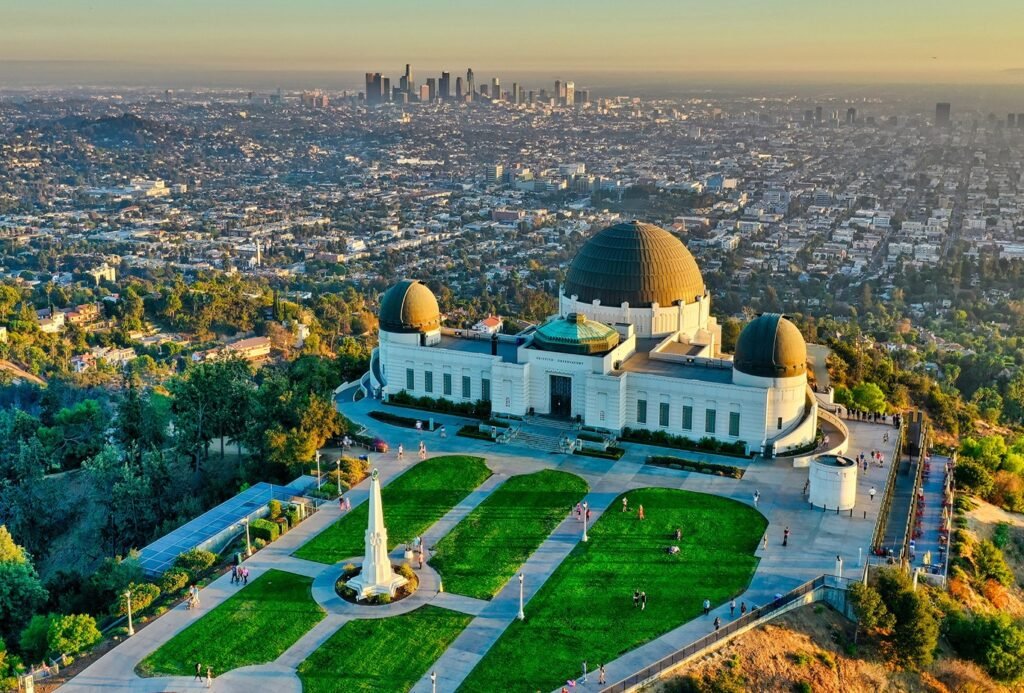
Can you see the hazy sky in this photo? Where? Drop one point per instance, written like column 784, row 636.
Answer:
column 885, row 39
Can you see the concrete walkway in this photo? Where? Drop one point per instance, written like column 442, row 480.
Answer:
column 815, row 541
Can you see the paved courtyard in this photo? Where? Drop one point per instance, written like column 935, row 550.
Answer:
column 817, row 538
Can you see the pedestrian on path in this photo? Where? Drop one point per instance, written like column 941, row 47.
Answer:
column 579, row 511
column 421, row 557
column 732, row 608
column 584, row 671
column 785, row 537
column 743, row 608
column 199, row 672
column 764, row 541
column 679, row 534
column 625, row 504
column 600, row 674
column 718, row 622
column 872, row 493
column 234, row 574
column 587, row 515
column 757, row 497
column 245, row 581
column 401, row 451
column 636, row 598
column 640, row 512
column 423, row 450
column 643, row 601
column 209, row 676
column 707, row 607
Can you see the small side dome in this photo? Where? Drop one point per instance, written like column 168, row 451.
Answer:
column 770, row 346
column 409, row 307
column 574, row 334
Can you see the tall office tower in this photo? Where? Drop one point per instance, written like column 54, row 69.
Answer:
column 1020, row 120
column 385, row 89
column 425, row 92
column 942, row 111
column 403, row 83
column 851, row 116
column 495, row 89
column 1011, row 120
column 483, row 90
column 559, row 91
column 570, row 93
column 458, row 89
column 818, row 114
column 521, row 98
column 410, row 83
column 494, row 173
column 444, row 86
column 532, row 97
column 808, row 116
column 471, row 84
column 431, row 88
column 513, row 95
column 374, row 88
column 583, row 97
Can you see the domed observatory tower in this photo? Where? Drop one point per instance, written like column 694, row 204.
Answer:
column 771, row 354
column 409, row 315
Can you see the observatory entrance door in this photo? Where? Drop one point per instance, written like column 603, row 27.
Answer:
column 561, row 396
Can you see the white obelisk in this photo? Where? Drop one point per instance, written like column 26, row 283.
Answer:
column 376, row 576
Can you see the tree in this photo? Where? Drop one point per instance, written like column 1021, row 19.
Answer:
column 9, row 551
column 989, row 403
column 870, row 610
column 869, row 397
column 21, row 593
column 34, row 641
column 972, row 476
column 73, row 633
column 916, row 633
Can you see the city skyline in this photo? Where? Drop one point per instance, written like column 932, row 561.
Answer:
column 868, row 41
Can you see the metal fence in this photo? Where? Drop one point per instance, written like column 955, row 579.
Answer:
column 887, row 493
column 742, row 623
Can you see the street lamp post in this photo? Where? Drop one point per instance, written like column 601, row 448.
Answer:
column 338, row 480
column 248, row 546
column 585, row 507
column 521, row 615
column 839, row 566
column 433, row 682
column 317, row 470
column 131, row 628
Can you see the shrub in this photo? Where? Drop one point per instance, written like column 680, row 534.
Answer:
column 381, row 599
column 34, row 637
column 174, row 580
column 993, row 641
column 800, row 658
column 406, row 571
column 143, row 595
column 1001, row 535
column 991, row 564
column 642, row 435
column 275, row 509
column 73, row 633
column 258, row 544
column 826, row 658
column 802, row 687
column 264, row 529
column 350, row 569
column 692, row 466
column 996, row 593
column 973, row 477
column 479, row 409
column 1007, row 491
column 196, row 561
column 292, row 516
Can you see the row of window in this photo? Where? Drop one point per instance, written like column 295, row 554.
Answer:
column 710, row 417
column 446, row 384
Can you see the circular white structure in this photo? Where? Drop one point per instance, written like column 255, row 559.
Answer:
column 833, row 482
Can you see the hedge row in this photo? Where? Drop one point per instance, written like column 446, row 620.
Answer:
column 694, row 466
column 706, row 444
column 439, row 405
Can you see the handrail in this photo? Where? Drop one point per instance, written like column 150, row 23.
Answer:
column 742, row 623
column 890, row 482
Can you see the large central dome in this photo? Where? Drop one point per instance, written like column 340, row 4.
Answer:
column 634, row 263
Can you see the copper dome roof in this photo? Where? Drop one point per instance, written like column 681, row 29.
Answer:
column 409, row 306
column 770, row 346
column 634, row 263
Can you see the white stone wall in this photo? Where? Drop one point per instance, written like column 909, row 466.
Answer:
column 656, row 321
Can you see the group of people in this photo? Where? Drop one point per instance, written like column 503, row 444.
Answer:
column 199, row 674
column 239, row 576
column 583, row 679
column 639, row 510
column 732, row 611
column 583, row 511
column 877, row 457
column 639, row 599
column 192, row 600
column 423, row 451
column 344, row 503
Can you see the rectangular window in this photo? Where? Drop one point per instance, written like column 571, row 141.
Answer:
column 687, row 417
column 446, row 383
column 410, row 379
column 641, row 411
column 780, row 423
column 709, row 420
column 428, row 381
column 734, row 423
column 663, row 414
column 485, row 389
column 467, row 387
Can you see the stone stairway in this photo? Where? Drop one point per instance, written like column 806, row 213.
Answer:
column 552, row 423
column 536, row 441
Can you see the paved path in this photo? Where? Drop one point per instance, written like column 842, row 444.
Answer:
column 816, row 539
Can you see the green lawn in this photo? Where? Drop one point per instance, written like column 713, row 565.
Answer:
column 585, row 609
column 486, row 549
column 412, row 503
column 253, row 626
column 388, row 654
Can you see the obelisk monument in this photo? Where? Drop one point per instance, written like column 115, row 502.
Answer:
column 376, row 575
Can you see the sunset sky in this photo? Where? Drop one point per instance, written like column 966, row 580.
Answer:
column 891, row 39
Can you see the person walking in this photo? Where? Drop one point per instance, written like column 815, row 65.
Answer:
column 707, row 607
column 209, row 676
column 679, row 534
column 643, row 601
column 584, row 671
column 234, row 574
column 757, row 497
column 872, row 493
column 743, row 608
column 245, row 581
column 579, row 511
column 636, row 598
column 785, row 537
column 732, row 608
column 600, row 674
column 625, row 504
column 640, row 512
column 764, row 541
column 401, row 451
column 718, row 622
column 199, row 672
